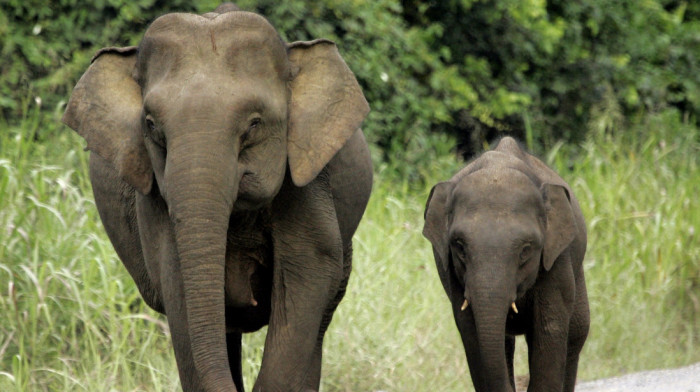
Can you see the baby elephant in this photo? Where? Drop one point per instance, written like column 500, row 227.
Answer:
column 509, row 239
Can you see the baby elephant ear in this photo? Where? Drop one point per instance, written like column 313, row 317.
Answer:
column 327, row 107
column 105, row 109
column 435, row 228
column 561, row 224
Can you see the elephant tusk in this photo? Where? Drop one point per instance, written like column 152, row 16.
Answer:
column 515, row 308
column 464, row 305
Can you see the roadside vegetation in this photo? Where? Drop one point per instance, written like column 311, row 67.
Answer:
column 73, row 319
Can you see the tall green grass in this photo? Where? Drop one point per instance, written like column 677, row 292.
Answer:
column 71, row 318
column 639, row 192
column 65, row 302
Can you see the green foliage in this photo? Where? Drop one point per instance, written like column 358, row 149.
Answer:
column 432, row 71
column 553, row 65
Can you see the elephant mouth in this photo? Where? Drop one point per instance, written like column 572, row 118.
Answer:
column 465, row 304
column 248, row 271
column 251, row 195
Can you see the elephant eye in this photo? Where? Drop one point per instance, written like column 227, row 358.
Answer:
column 525, row 253
column 460, row 247
column 254, row 123
column 152, row 133
column 150, row 124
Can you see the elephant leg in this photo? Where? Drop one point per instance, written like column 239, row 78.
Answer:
column 294, row 339
column 233, row 347
column 307, row 275
column 571, row 370
column 578, row 332
column 313, row 381
column 294, row 335
column 547, row 350
column 115, row 202
column 548, row 339
column 510, row 352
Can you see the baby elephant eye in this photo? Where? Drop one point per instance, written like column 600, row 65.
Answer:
column 460, row 248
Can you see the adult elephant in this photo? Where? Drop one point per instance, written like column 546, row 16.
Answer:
column 230, row 174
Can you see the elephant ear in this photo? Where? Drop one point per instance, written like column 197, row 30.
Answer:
column 105, row 109
column 561, row 224
column 327, row 107
column 435, row 228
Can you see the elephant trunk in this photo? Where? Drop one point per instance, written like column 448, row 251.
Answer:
column 201, row 193
column 490, row 308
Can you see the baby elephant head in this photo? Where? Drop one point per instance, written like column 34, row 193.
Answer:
column 493, row 230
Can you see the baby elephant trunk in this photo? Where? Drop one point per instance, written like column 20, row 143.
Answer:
column 490, row 306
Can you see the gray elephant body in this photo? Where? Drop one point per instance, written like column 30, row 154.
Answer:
column 230, row 174
column 509, row 241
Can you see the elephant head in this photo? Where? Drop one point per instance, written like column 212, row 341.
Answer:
column 210, row 113
column 495, row 227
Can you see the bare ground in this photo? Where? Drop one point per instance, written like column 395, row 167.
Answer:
column 686, row 379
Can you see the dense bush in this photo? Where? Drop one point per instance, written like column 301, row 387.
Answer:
column 552, row 69
column 47, row 44
column 543, row 70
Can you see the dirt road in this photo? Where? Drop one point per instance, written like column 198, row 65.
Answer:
column 685, row 379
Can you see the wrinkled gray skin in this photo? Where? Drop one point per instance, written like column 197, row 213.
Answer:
column 230, row 174
column 506, row 229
